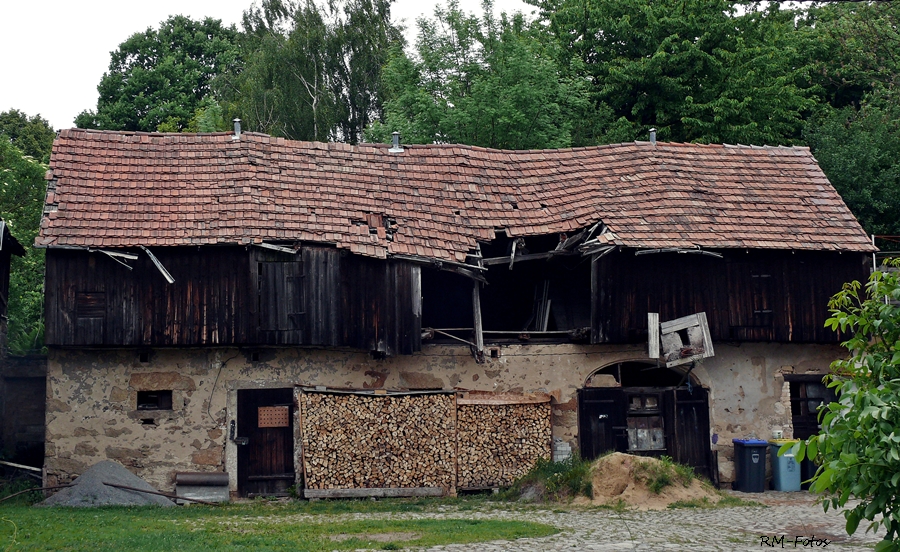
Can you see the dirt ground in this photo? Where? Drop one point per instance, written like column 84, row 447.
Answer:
column 619, row 477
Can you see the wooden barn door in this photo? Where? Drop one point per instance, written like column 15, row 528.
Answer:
column 601, row 421
column 266, row 461
column 605, row 417
column 691, row 422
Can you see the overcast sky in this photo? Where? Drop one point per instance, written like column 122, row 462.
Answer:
column 53, row 53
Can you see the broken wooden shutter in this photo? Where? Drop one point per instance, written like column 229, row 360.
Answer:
column 280, row 296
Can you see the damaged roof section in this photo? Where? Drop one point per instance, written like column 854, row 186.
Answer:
column 113, row 189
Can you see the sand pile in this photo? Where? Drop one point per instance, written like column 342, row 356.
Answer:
column 625, row 477
column 89, row 490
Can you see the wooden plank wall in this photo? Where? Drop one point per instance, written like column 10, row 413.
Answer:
column 735, row 292
column 232, row 295
column 208, row 304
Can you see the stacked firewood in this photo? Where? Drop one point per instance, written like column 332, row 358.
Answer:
column 498, row 443
column 373, row 441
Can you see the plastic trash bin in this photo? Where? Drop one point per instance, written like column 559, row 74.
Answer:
column 785, row 469
column 750, row 465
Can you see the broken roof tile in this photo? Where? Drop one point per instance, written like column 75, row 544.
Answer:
column 169, row 189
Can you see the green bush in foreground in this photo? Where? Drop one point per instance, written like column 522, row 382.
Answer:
column 555, row 481
column 858, row 449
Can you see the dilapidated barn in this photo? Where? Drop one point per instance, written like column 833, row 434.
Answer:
column 204, row 291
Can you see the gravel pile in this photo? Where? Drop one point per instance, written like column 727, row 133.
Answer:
column 89, row 490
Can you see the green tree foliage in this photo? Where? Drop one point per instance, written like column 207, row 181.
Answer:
column 855, row 133
column 22, row 190
column 158, row 79
column 312, row 72
column 858, row 448
column 854, row 49
column 698, row 70
column 483, row 82
column 31, row 135
column 859, row 150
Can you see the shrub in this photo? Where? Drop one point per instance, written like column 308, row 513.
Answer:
column 555, row 480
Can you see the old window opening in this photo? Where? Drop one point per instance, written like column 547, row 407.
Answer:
column 280, row 295
column 447, row 306
column 90, row 304
column 753, row 288
column 154, row 400
column 645, row 427
column 808, row 394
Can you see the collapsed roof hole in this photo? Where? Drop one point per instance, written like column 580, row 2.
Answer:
column 537, row 295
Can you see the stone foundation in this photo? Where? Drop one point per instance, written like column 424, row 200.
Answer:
column 92, row 411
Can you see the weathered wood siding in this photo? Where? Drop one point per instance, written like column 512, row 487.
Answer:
column 233, row 296
column 756, row 296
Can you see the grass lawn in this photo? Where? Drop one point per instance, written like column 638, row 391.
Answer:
column 295, row 526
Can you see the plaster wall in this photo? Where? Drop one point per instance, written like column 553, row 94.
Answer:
column 92, row 416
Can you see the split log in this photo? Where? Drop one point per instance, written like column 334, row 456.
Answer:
column 498, row 443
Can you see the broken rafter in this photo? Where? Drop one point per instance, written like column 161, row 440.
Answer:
column 159, row 265
column 438, row 262
column 451, row 336
column 527, row 257
column 114, row 254
column 565, row 244
column 599, row 252
column 696, row 251
column 278, row 248
column 463, row 269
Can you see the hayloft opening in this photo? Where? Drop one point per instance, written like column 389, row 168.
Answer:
column 535, row 289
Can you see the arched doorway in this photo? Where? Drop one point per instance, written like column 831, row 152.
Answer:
column 644, row 408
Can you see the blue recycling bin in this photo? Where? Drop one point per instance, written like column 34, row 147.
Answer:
column 750, row 465
column 785, row 469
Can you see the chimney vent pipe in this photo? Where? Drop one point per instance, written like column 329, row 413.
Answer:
column 237, row 130
column 653, row 136
column 395, row 143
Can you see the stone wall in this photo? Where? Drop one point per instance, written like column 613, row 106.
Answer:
column 92, row 414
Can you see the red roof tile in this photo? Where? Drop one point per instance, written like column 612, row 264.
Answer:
column 172, row 189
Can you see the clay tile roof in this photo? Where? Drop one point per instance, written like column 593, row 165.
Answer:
column 116, row 189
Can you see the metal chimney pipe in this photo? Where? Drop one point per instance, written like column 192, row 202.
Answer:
column 237, row 130
column 395, row 143
column 653, row 136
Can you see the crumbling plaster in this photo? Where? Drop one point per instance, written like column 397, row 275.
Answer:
column 92, row 416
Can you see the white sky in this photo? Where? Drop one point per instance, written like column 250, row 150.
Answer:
column 54, row 52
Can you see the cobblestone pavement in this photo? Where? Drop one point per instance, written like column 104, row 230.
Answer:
column 788, row 515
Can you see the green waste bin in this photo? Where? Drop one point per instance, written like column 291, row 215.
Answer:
column 785, row 469
column 750, row 465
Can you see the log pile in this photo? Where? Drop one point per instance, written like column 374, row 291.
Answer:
column 498, row 443
column 376, row 441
